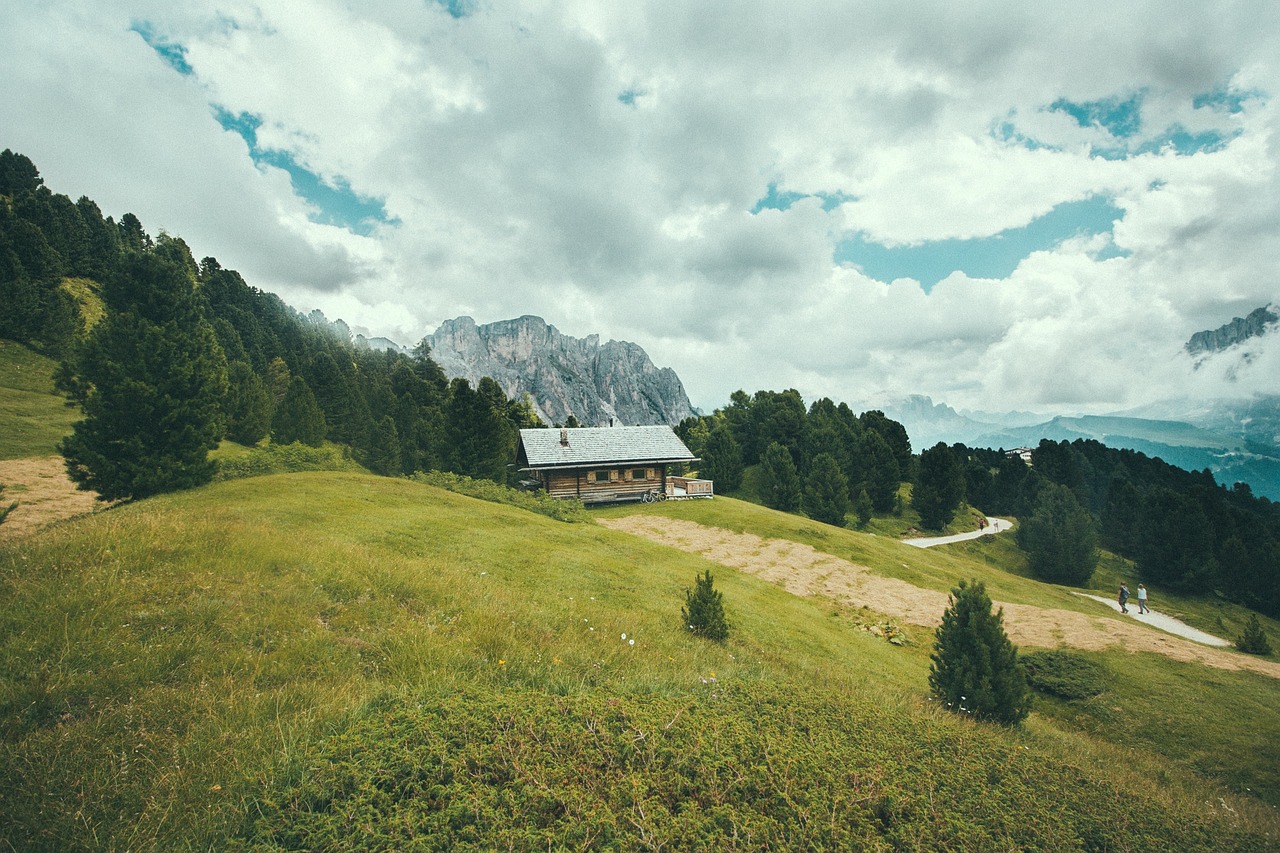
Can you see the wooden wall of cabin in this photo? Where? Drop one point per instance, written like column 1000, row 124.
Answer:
column 591, row 485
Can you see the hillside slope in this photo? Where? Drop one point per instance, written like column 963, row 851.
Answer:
column 271, row 662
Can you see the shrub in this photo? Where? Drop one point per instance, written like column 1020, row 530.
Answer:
column 975, row 666
column 703, row 612
column 570, row 511
column 285, row 459
column 1254, row 639
column 1064, row 674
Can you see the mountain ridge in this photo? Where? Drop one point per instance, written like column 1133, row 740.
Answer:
column 596, row 383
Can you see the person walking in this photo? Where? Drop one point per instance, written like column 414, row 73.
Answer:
column 1124, row 598
column 1142, row 599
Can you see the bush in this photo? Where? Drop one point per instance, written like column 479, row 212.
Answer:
column 285, row 459
column 975, row 667
column 1254, row 640
column 703, row 612
column 1064, row 674
column 570, row 511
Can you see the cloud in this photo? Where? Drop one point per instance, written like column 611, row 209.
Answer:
column 696, row 181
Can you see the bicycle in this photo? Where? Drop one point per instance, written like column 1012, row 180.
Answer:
column 654, row 496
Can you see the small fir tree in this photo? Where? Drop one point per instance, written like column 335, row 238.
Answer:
column 703, row 612
column 779, row 480
column 863, row 508
column 826, row 494
column 975, row 666
column 298, row 417
column 1060, row 538
column 1254, row 640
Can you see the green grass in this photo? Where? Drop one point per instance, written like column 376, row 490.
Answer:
column 34, row 416
column 273, row 660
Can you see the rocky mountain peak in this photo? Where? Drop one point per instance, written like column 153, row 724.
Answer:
column 563, row 375
column 1240, row 329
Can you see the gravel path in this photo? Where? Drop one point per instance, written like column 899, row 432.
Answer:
column 802, row 570
column 994, row 526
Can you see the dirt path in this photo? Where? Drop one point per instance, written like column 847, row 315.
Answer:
column 802, row 570
column 44, row 494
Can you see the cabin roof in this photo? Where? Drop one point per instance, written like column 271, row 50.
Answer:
column 542, row 449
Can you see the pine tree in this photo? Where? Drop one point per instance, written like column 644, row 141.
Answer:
column 880, row 470
column 826, row 494
column 247, row 406
column 779, row 481
column 703, row 612
column 1254, row 640
column 383, row 455
column 939, row 487
column 298, row 417
column 863, row 507
column 975, row 667
column 722, row 460
column 153, row 377
column 1060, row 538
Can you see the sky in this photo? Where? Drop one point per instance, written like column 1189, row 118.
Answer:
column 1001, row 205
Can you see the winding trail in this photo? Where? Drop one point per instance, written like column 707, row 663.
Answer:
column 994, row 526
column 802, row 570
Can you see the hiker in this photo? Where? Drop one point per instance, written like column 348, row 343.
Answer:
column 1124, row 598
column 1142, row 599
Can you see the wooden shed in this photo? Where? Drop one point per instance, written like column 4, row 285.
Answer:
column 602, row 464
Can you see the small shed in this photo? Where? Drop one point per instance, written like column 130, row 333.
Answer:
column 602, row 464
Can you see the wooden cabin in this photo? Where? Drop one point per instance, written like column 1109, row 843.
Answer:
column 602, row 464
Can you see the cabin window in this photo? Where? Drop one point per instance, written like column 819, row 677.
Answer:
column 639, row 474
column 601, row 476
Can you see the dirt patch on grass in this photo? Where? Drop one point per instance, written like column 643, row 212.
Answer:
column 44, row 494
column 801, row 570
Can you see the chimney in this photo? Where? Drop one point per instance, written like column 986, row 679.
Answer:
column 564, row 438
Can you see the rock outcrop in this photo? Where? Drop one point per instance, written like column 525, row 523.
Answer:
column 562, row 375
column 1259, row 322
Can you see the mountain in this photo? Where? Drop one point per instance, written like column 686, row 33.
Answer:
column 1259, row 322
column 1236, row 440
column 598, row 383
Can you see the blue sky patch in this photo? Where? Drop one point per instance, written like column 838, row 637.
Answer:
column 1122, row 118
column 457, row 8
column 774, row 200
column 174, row 54
column 335, row 203
column 628, row 96
column 1225, row 100
column 986, row 257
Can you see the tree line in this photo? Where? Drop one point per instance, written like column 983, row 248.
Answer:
column 167, row 356
column 822, row 458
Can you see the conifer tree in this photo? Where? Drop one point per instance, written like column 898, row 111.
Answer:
column 703, row 611
column 298, row 417
column 1254, row 640
column 779, row 480
column 826, row 494
column 153, row 377
column 880, row 470
column 722, row 460
column 1060, row 538
column 247, row 405
column 975, row 666
column 939, row 487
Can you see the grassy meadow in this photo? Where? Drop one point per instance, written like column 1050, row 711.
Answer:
column 332, row 660
column 33, row 419
column 295, row 658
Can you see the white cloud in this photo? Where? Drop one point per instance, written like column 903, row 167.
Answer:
column 523, row 183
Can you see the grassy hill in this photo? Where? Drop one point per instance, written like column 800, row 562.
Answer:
column 310, row 660
column 33, row 418
column 331, row 660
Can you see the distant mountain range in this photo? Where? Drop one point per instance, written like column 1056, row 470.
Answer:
column 1238, row 439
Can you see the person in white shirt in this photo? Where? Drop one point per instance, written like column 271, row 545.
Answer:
column 1142, row 599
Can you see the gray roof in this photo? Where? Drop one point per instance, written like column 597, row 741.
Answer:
column 542, row 448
